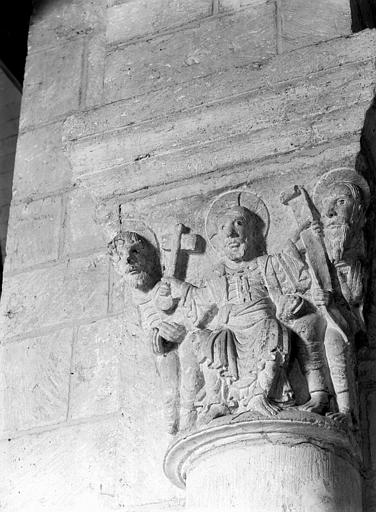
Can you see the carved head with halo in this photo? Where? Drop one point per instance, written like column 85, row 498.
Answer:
column 236, row 226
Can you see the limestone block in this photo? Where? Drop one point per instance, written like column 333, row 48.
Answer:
column 304, row 23
column 52, row 83
column 302, row 63
column 230, row 5
column 106, row 465
column 95, row 382
column 127, row 20
column 82, row 233
column 197, row 51
column 53, row 23
column 76, row 289
column 94, row 80
column 41, row 166
column 35, row 381
column 253, row 126
column 34, row 233
column 71, row 468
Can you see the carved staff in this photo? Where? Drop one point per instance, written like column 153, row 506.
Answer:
column 298, row 200
column 179, row 241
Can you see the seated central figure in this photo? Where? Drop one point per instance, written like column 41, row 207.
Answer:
column 233, row 314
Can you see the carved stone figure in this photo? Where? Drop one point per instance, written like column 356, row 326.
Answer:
column 239, row 333
column 342, row 197
column 333, row 247
column 136, row 260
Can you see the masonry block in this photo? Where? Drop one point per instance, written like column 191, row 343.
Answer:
column 68, row 292
column 35, row 381
column 95, row 382
column 233, row 5
column 82, row 233
column 136, row 18
column 200, row 50
column 304, row 23
column 278, row 119
column 41, row 166
column 34, row 233
column 53, row 23
column 52, row 83
column 72, row 468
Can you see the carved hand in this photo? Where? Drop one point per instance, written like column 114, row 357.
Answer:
column 172, row 332
column 172, row 286
column 315, row 226
column 320, row 297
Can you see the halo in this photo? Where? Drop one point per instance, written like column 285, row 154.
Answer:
column 231, row 199
column 341, row 175
column 139, row 226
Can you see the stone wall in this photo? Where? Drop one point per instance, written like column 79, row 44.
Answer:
column 155, row 105
column 10, row 102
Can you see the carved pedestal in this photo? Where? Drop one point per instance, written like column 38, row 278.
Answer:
column 277, row 465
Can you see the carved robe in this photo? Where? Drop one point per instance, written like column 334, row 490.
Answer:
column 245, row 340
column 177, row 365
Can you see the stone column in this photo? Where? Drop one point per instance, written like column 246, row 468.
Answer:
column 268, row 466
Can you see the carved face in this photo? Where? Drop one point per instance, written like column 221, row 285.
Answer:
column 234, row 230
column 132, row 260
column 341, row 216
column 337, row 205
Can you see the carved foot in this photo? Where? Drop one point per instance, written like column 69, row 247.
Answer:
column 188, row 419
column 172, row 427
column 263, row 405
column 211, row 412
column 319, row 403
column 343, row 418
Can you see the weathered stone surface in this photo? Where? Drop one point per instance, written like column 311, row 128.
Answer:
column 302, row 63
column 82, row 233
column 136, row 18
column 200, row 50
column 239, row 470
column 95, row 381
column 76, row 289
column 55, row 23
column 35, row 231
column 230, row 5
column 305, row 23
column 35, row 381
column 92, row 464
column 227, row 152
column 109, row 183
column 94, row 79
column 52, row 83
column 71, row 468
column 41, row 166
column 250, row 127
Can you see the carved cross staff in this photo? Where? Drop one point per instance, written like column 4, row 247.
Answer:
column 298, row 201
column 175, row 243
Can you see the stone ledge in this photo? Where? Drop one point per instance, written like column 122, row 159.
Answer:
column 290, row 428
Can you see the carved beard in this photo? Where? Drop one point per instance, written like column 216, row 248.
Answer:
column 336, row 237
column 140, row 280
column 236, row 252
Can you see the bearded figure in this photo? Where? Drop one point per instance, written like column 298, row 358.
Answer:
column 342, row 196
column 136, row 260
